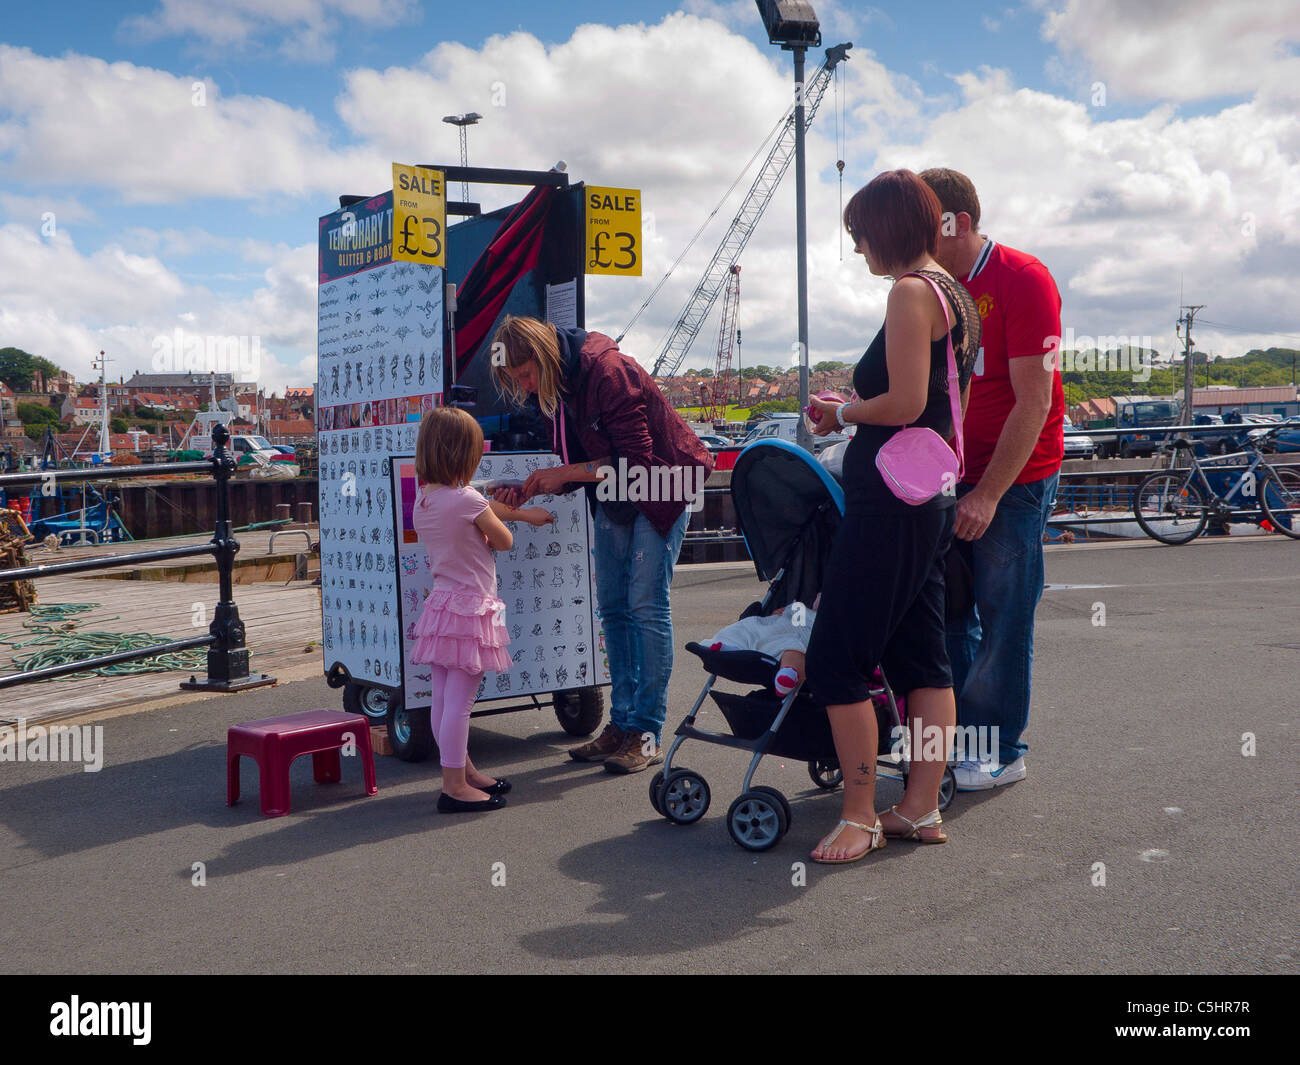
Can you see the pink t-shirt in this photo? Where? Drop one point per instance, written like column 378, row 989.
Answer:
column 458, row 552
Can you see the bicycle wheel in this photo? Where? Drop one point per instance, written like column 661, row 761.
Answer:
column 1170, row 508
column 1279, row 498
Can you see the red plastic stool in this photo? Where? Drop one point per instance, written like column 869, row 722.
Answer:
column 276, row 741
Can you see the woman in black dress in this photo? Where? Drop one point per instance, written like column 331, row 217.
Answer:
column 883, row 601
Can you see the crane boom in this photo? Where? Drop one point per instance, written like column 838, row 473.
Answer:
column 746, row 220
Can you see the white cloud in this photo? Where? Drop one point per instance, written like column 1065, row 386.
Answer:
column 305, row 28
column 1180, row 49
column 66, row 306
column 77, row 120
column 1118, row 209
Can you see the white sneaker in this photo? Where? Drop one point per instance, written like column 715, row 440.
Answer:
column 981, row 776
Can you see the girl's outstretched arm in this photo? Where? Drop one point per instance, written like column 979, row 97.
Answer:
column 499, row 538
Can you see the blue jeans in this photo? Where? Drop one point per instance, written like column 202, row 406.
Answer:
column 991, row 649
column 634, row 569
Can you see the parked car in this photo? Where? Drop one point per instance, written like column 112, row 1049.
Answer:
column 1224, row 443
column 786, row 427
column 1078, row 445
column 1286, row 439
column 715, row 441
column 284, row 449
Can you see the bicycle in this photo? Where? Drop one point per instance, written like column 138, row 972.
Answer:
column 1173, row 508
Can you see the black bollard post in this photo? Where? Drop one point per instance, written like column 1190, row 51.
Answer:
column 228, row 656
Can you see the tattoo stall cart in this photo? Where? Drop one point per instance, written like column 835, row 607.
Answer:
column 407, row 309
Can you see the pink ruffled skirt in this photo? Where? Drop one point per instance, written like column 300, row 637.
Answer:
column 461, row 629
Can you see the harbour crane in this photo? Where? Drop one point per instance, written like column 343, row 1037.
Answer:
column 742, row 226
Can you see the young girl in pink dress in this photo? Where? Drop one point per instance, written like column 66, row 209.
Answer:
column 461, row 632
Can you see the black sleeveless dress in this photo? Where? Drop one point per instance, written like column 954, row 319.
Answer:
column 883, row 592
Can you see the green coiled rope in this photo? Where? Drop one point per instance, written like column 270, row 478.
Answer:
column 54, row 631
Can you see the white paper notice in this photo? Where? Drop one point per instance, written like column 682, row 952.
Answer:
column 562, row 304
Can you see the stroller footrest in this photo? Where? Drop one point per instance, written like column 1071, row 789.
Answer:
column 720, row 738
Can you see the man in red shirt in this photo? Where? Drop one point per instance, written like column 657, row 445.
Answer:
column 1014, row 445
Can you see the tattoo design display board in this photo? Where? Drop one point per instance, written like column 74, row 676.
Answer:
column 379, row 370
column 545, row 581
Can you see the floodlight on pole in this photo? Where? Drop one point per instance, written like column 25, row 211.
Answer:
column 793, row 25
column 463, row 121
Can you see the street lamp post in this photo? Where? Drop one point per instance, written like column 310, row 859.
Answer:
column 463, row 121
column 793, row 25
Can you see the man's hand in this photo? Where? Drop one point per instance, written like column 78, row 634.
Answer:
column 511, row 497
column 975, row 512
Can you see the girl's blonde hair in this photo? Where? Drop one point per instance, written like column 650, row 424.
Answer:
column 519, row 340
column 449, row 447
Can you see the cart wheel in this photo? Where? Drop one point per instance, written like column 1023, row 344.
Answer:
column 785, row 803
column 363, row 699
column 947, row 788
column 756, row 821
column 410, row 733
column 656, row 784
column 684, row 797
column 826, row 773
column 579, row 711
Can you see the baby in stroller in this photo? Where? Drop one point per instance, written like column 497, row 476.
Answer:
column 782, row 635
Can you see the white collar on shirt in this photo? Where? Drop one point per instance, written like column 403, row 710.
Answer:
column 985, row 252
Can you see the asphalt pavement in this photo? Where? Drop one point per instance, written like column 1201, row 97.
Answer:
column 1157, row 830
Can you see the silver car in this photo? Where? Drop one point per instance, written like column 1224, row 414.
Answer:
column 1077, row 444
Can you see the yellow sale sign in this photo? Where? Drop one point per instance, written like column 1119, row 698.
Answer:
column 613, row 231
column 419, row 215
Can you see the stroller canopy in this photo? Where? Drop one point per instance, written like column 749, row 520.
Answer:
column 788, row 509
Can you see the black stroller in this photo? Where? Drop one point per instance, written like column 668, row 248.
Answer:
column 788, row 508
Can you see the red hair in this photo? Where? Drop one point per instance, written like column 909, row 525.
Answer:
column 898, row 215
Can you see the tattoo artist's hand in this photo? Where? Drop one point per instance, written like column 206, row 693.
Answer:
column 511, row 497
column 545, row 482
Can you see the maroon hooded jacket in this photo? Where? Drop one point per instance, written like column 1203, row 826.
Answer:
column 617, row 412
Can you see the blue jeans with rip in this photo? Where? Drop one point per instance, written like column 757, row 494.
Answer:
column 991, row 649
column 634, row 569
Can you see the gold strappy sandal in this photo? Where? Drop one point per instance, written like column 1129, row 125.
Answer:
column 913, row 833
column 877, row 842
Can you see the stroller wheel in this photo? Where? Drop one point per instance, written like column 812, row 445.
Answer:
column 757, row 821
column 684, row 797
column 785, row 804
column 826, row 773
column 947, row 788
column 656, row 784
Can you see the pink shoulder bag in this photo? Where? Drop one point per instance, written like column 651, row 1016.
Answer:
column 917, row 463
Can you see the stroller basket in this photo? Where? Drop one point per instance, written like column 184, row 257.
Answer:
column 804, row 735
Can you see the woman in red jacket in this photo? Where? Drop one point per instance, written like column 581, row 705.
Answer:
column 643, row 469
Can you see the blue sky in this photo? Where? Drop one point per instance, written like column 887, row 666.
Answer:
column 166, row 214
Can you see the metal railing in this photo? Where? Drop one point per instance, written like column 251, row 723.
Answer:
column 227, row 653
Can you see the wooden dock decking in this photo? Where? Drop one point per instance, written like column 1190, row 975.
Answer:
column 281, row 620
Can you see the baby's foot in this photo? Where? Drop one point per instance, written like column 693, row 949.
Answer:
column 786, row 681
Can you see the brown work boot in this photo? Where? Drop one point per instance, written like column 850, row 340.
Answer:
column 611, row 741
column 633, row 756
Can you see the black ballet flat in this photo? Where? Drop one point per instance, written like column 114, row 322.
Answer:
column 448, row 805
column 497, row 787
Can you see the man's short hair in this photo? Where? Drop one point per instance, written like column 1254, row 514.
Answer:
column 956, row 192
